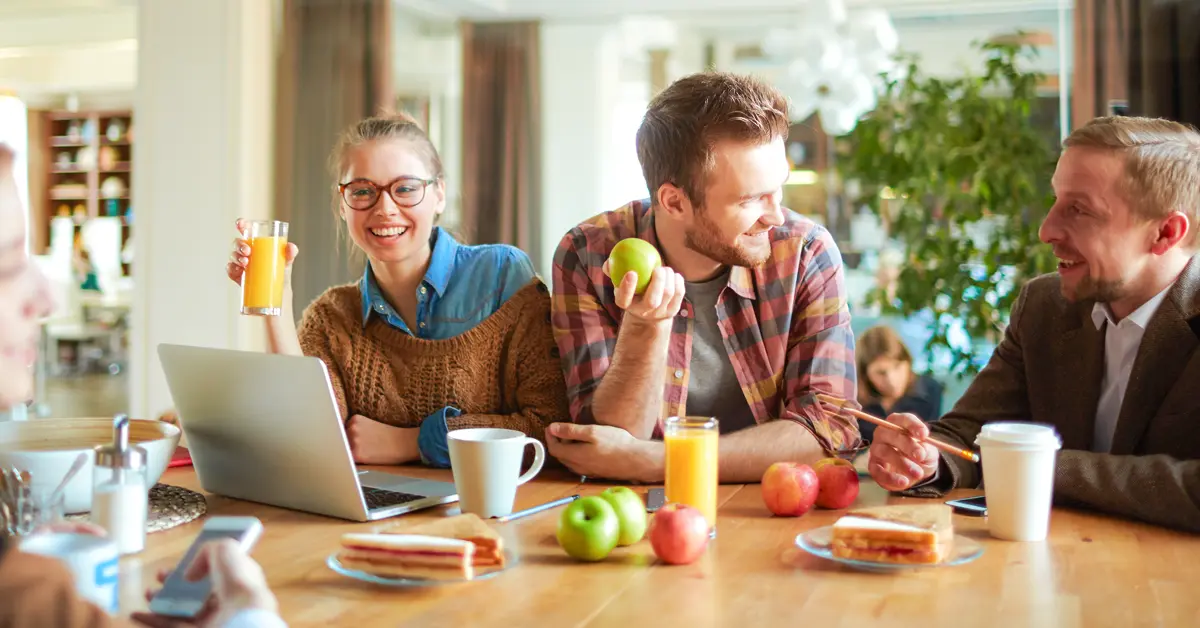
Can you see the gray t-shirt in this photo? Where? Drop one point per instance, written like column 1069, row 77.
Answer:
column 713, row 389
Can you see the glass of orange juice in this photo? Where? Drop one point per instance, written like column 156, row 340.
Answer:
column 691, row 444
column 262, row 285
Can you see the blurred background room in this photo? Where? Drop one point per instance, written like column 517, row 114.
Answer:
column 925, row 133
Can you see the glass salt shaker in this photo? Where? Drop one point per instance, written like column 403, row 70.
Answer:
column 119, row 491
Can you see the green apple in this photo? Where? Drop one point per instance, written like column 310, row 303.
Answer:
column 633, row 254
column 588, row 529
column 631, row 513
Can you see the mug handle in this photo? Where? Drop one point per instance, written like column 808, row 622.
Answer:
column 539, row 459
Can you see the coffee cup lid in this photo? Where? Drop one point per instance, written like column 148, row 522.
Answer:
column 1022, row 434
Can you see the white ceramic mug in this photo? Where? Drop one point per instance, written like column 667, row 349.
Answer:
column 1018, row 478
column 92, row 561
column 486, row 463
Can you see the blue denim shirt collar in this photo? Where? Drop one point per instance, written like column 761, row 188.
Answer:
column 441, row 268
column 442, row 260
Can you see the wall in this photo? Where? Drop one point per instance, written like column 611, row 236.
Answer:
column 580, row 87
column 204, row 134
column 45, row 54
column 428, row 64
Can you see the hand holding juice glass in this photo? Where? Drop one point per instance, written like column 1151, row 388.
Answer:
column 263, row 278
column 691, row 450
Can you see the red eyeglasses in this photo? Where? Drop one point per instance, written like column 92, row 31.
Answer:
column 363, row 194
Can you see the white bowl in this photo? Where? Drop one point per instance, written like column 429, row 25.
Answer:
column 47, row 447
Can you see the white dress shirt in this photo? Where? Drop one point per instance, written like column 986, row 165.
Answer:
column 1121, row 342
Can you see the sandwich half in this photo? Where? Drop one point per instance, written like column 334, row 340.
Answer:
column 904, row 534
column 408, row 556
column 489, row 547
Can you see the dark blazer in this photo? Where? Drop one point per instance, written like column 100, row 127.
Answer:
column 1048, row 368
column 923, row 400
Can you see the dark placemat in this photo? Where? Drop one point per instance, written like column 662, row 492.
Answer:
column 170, row 506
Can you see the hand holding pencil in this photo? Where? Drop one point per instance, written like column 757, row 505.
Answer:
column 902, row 454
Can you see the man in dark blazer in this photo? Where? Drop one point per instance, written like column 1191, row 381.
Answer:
column 1104, row 349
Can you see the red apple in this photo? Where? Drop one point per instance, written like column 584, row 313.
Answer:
column 678, row 534
column 839, row 483
column 789, row 489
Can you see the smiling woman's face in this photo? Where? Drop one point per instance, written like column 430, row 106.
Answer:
column 24, row 294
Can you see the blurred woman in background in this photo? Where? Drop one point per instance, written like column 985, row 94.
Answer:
column 887, row 383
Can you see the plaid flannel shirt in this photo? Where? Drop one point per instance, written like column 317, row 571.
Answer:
column 785, row 324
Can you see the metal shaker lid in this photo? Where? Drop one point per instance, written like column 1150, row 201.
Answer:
column 120, row 454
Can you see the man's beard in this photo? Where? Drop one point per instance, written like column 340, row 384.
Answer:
column 699, row 238
column 1099, row 290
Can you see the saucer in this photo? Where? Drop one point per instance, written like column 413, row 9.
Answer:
column 817, row 542
column 481, row 573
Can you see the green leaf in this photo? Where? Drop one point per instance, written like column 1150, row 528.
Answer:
column 959, row 150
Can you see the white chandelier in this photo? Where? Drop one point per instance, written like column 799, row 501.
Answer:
column 834, row 61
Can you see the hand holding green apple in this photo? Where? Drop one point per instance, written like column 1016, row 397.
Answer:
column 633, row 255
column 644, row 288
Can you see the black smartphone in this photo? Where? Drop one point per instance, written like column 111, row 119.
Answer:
column 655, row 498
column 973, row 506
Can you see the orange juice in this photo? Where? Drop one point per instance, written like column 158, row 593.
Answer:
column 691, row 450
column 262, row 285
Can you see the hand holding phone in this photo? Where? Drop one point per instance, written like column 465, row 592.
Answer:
column 216, row 564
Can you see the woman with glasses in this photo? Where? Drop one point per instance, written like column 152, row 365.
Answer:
column 436, row 335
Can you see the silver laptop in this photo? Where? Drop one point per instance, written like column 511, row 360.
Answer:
column 266, row 428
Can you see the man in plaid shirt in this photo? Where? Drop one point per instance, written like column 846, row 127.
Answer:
column 746, row 321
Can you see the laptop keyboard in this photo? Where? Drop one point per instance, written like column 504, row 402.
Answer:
column 379, row 498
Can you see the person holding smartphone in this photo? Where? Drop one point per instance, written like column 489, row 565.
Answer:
column 39, row 591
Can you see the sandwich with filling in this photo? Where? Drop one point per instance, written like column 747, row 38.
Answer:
column 489, row 546
column 903, row 533
column 408, row 556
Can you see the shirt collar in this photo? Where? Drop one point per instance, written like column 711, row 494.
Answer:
column 441, row 268
column 741, row 279
column 1140, row 317
column 370, row 293
column 442, row 260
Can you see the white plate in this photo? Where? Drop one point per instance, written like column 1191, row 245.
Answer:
column 817, row 542
column 510, row 560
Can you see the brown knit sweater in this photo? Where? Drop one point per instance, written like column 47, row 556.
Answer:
column 504, row 372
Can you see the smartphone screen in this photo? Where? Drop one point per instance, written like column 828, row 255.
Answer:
column 181, row 597
column 970, row 506
column 655, row 498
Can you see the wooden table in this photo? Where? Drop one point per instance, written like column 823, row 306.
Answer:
column 1092, row 571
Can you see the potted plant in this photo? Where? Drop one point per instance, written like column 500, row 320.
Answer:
column 959, row 172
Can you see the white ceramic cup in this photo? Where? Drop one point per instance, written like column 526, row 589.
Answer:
column 92, row 560
column 486, row 463
column 1018, row 478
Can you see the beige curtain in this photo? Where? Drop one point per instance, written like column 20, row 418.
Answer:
column 1101, row 45
column 335, row 68
column 501, row 184
column 1143, row 52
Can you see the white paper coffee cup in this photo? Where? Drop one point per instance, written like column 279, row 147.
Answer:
column 1018, row 478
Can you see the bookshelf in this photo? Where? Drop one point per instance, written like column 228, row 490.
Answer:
column 87, row 168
